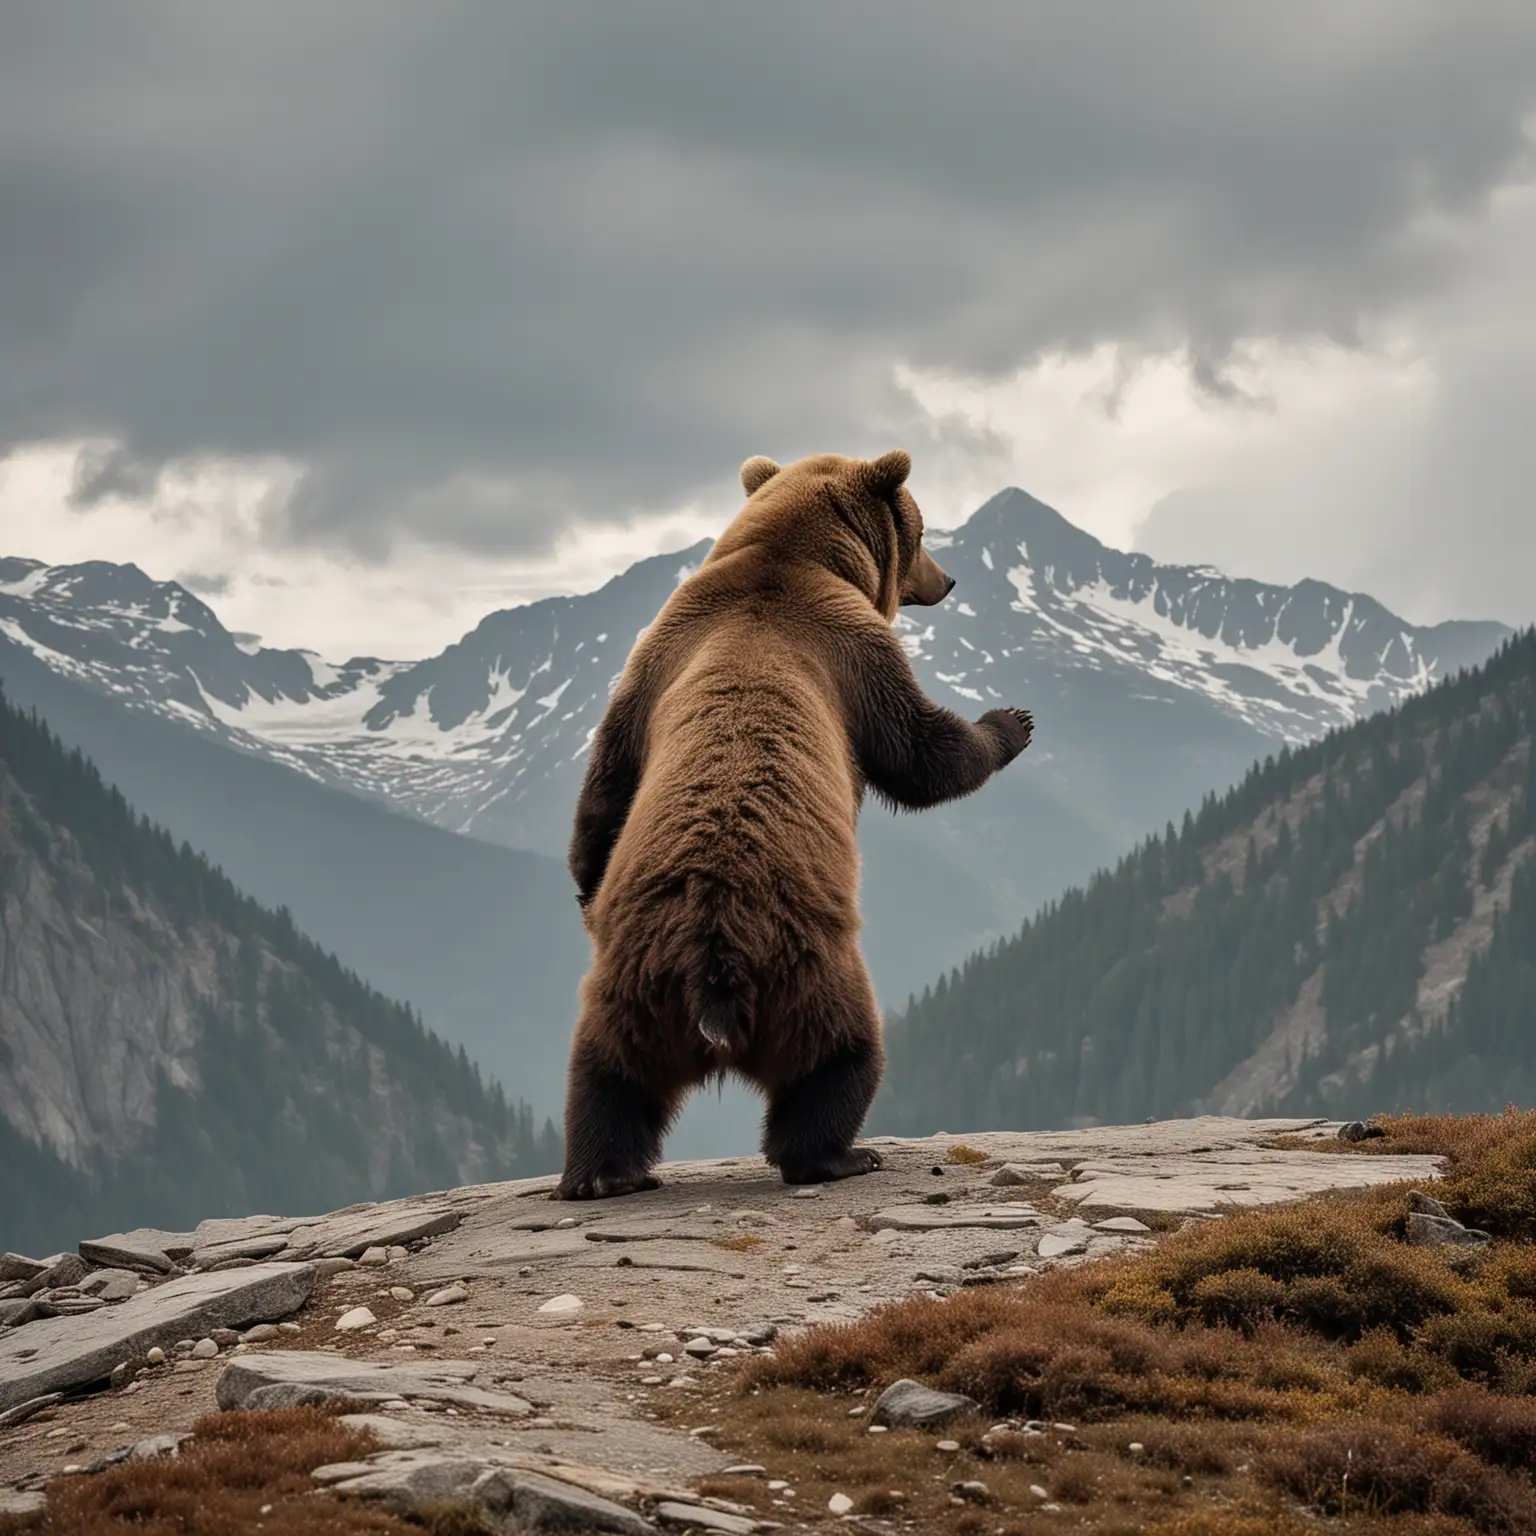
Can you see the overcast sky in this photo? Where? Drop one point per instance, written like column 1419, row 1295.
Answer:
column 364, row 316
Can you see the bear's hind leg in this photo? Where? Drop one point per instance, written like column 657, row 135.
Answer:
column 614, row 1129
column 811, row 1122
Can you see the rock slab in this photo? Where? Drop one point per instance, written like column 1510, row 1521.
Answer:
column 505, row 1498
column 290, row 1378
column 66, row 1353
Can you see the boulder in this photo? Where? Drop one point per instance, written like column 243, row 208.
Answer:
column 908, row 1404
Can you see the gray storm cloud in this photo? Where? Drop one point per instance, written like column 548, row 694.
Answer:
column 485, row 269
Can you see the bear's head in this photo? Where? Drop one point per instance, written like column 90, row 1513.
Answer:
column 855, row 516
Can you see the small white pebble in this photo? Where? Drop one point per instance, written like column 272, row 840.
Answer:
column 857, row 1413
column 402, row 1293
column 839, row 1504
column 1038, row 1491
column 562, row 1306
column 358, row 1317
column 155, row 1356
column 777, row 1485
column 879, row 1429
column 949, row 1446
column 1135, row 1447
column 206, row 1349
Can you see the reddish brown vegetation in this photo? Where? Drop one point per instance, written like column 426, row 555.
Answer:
column 240, row 1473
column 1270, row 1368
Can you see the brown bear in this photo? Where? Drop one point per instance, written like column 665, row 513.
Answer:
column 714, row 851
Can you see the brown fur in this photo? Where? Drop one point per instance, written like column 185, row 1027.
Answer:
column 714, row 850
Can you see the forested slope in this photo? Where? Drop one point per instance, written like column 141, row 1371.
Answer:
column 1353, row 927
column 170, row 1049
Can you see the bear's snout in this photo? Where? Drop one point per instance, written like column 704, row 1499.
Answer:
column 927, row 583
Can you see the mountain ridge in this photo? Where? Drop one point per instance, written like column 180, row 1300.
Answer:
column 1139, row 712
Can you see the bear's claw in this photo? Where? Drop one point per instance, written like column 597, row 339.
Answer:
column 603, row 1186
column 847, row 1164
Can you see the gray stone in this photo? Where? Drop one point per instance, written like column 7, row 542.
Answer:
column 405, row 1482
column 947, row 1218
column 13, row 1502
column 1026, row 1173
column 111, row 1284
column 205, row 1349
column 19, row 1310
column 908, row 1404
column 940, row 1274
column 1057, row 1244
column 697, row 1517
column 1122, row 1224
column 449, row 1296
column 349, row 1234
column 67, row 1353
column 529, row 1501
column 143, row 1248
column 391, row 1433
column 1424, row 1205
column 1217, row 1179
column 68, row 1306
column 505, row 1498
column 1358, row 1130
column 156, row 1445
column 239, row 1248
column 64, row 1269
column 1442, row 1232
column 262, row 1333
column 16, row 1266
column 288, row 1373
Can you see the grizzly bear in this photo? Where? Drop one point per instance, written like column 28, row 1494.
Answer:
column 714, row 851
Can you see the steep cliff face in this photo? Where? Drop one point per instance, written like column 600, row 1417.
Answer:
column 170, row 1050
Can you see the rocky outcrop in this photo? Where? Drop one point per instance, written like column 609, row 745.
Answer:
column 516, row 1349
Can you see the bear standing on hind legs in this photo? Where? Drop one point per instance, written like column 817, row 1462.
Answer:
column 714, row 850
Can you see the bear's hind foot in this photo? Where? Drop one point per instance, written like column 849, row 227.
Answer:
column 603, row 1186
column 827, row 1168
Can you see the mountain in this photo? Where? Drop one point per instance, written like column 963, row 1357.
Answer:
column 1351, row 928
column 170, row 1049
column 1149, row 684
column 486, row 942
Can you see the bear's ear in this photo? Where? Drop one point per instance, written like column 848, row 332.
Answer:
column 756, row 473
column 883, row 476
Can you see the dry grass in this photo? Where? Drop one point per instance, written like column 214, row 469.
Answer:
column 964, row 1155
column 745, row 1243
column 1270, row 1369
column 240, row 1472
